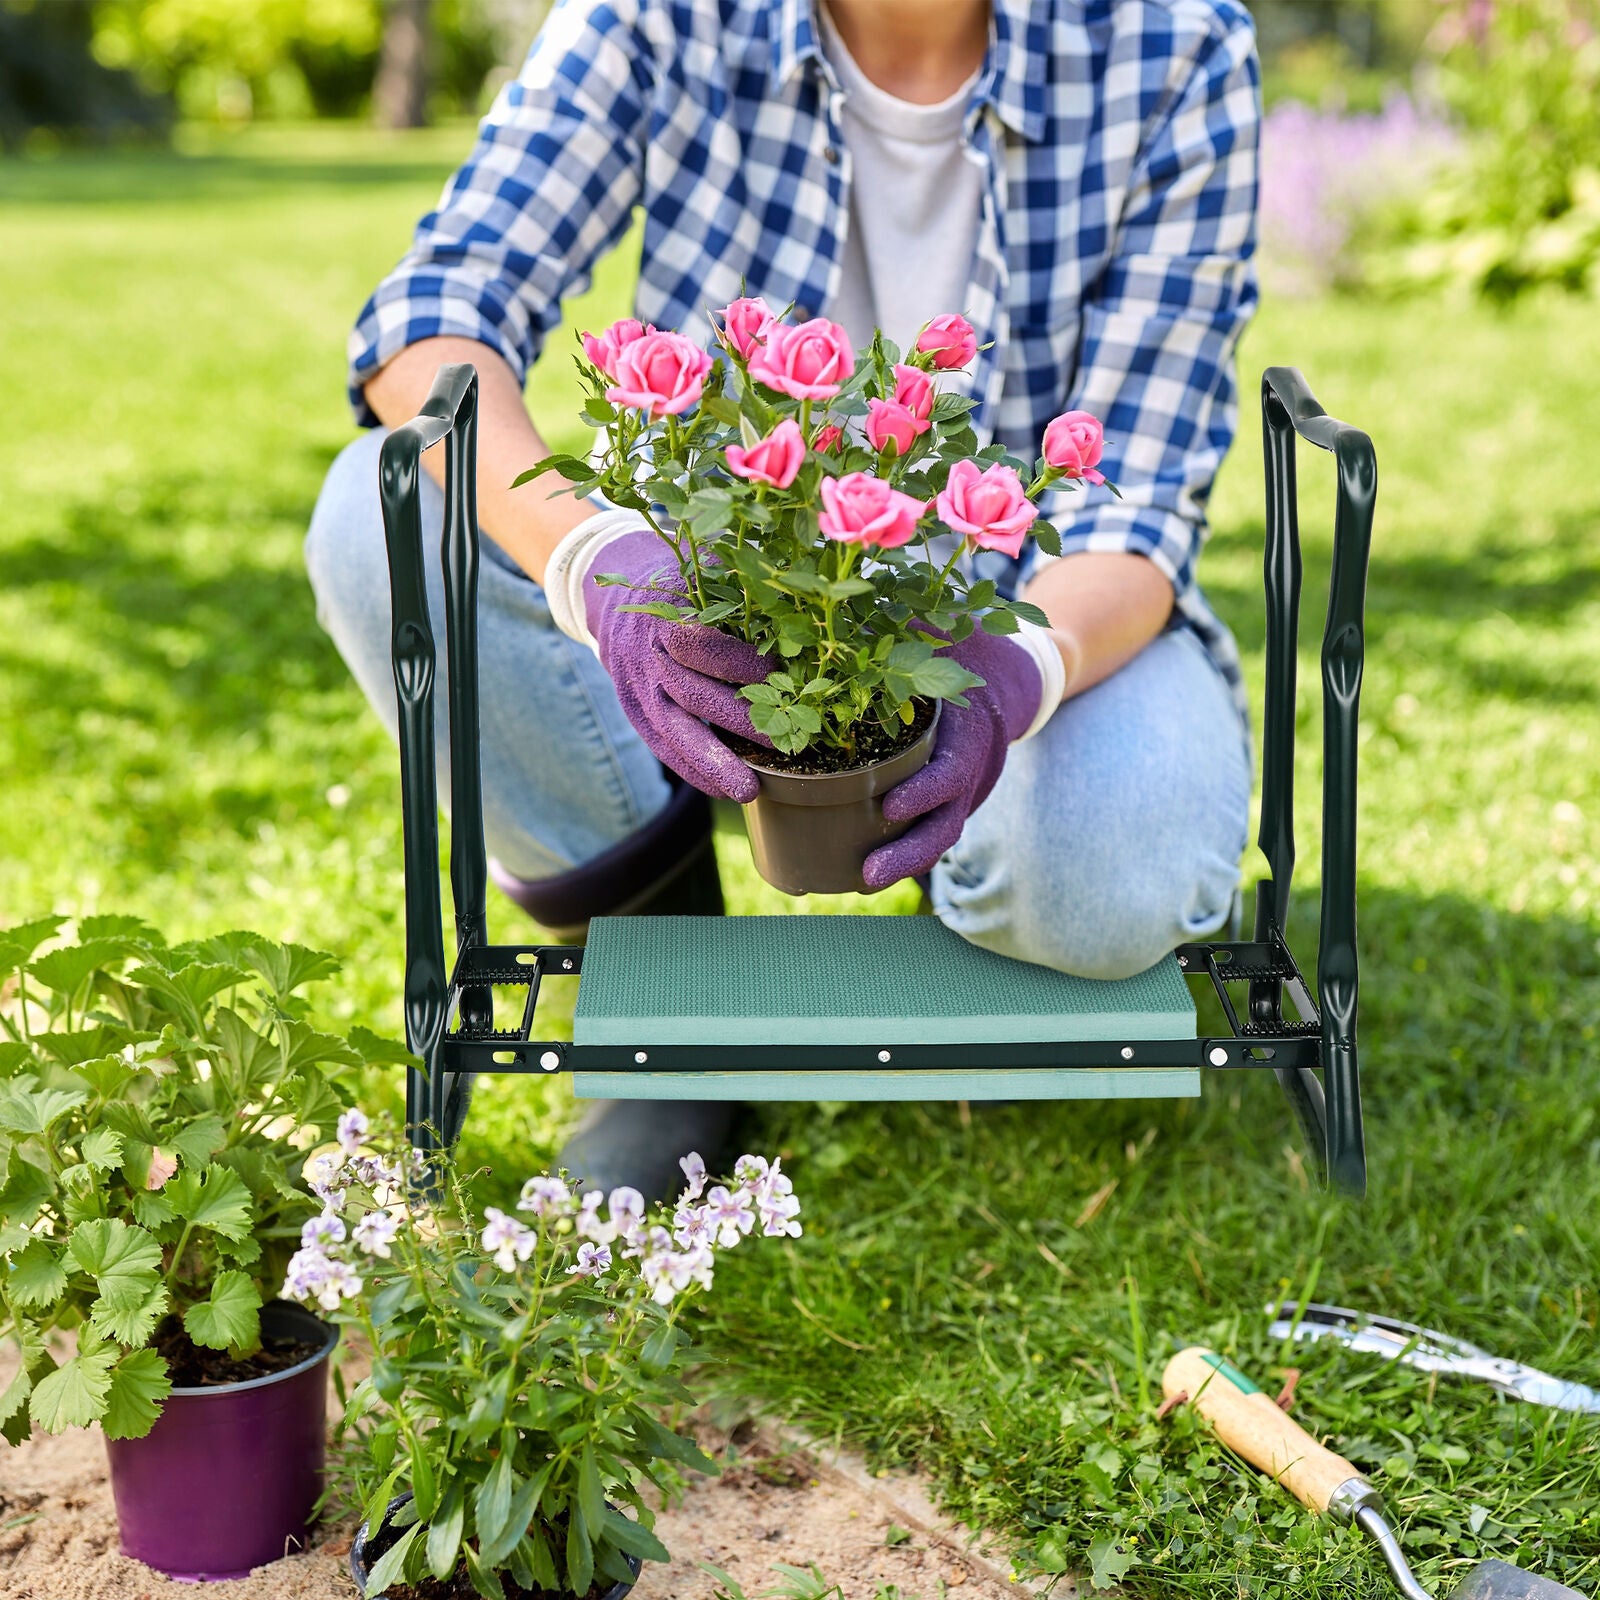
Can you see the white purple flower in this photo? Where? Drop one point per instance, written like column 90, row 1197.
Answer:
column 690, row 1226
column 587, row 1224
column 731, row 1216
column 308, row 1270
column 694, row 1169
column 375, row 1232
column 352, row 1130
column 545, row 1196
column 341, row 1284
column 750, row 1172
column 777, row 1213
column 593, row 1260
column 507, row 1240
column 322, row 1231
column 326, row 1179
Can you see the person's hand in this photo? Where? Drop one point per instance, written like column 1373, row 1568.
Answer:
column 673, row 677
column 969, row 752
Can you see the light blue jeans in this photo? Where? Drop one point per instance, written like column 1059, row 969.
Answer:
column 1112, row 836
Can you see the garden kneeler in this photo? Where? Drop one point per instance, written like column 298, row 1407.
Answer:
column 1251, row 1424
column 874, row 1007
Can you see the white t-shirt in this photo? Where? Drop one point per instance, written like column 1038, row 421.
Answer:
column 916, row 198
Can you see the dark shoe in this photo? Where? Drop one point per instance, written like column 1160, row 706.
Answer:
column 638, row 1142
column 667, row 867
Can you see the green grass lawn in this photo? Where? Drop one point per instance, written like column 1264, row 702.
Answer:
column 991, row 1295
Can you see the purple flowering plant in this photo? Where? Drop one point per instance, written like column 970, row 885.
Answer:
column 156, row 1104
column 521, row 1359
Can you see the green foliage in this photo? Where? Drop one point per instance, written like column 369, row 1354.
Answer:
column 859, row 628
column 519, row 1369
column 1524, row 210
column 156, row 1102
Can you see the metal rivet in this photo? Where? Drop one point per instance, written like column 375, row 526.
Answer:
column 1183, row 961
column 1127, row 1052
column 550, row 1061
column 883, row 1055
column 1218, row 1057
column 566, row 963
column 641, row 1056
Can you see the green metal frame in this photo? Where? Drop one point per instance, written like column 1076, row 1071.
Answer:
column 449, row 1010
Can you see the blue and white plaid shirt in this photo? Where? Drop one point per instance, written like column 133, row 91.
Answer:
column 1113, row 268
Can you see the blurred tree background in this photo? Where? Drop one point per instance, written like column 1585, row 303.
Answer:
column 1410, row 144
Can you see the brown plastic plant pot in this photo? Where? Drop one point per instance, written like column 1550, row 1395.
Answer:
column 810, row 832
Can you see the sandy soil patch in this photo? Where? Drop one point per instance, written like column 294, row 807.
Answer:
column 58, row 1533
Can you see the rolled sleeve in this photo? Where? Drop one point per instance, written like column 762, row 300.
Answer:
column 1161, row 326
column 548, row 188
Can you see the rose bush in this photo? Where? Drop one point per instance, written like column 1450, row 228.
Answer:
column 800, row 488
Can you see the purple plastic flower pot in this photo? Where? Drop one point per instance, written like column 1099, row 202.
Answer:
column 228, row 1478
column 365, row 1552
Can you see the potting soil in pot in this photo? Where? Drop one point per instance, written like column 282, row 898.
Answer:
column 191, row 1366
column 816, row 760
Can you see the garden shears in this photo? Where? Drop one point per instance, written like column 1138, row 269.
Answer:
column 1429, row 1351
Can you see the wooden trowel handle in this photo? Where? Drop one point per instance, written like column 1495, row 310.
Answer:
column 1248, row 1421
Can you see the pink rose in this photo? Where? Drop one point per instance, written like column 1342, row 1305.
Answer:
column 950, row 340
column 809, row 362
column 889, row 422
column 744, row 325
column 861, row 509
column 661, row 373
column 775, row 460
column 828, row 435
column 1073, row 443
column 604, row 350
column 989, row 507
column 913, row 389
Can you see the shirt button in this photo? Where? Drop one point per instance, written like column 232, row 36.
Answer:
column 830, row 154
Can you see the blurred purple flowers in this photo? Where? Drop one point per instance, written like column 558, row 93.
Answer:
column 1324, row 174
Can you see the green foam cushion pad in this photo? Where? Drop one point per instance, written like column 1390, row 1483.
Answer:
column 852, row 980
column 976, row 1083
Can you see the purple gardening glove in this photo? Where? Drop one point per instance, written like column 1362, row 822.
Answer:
column 967, row 758
column 673, row 677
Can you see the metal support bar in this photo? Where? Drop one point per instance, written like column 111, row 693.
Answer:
column 450, row 411
column 1289, row 409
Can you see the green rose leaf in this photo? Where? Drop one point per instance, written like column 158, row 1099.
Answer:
column 37, row 1279
column 215, row 1199
column 139, row 1383
column 999, row 622
column 1047, row 536
column 228, row 1320
column 73, row 1395
column 123, row 1261
column 567, row 466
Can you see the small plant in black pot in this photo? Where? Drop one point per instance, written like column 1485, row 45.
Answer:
column 521, row 1364
column 815, row 503
column 156, row 1107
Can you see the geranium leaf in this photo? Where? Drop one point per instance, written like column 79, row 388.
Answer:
column 128, row 1316
column 215, row 1199
column 196, row 1142
column 377, row 1051
column 123, row 1261
column 139, row 1383
column 26, row 1109
column 74, row 1394
column 63, row 971
column 37, row 1279
column 102, row 1149
column 229, row 1319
